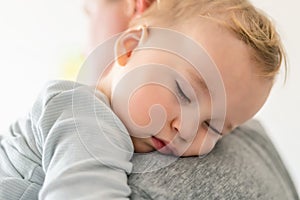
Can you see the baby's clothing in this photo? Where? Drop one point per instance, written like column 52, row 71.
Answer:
column 70, row 146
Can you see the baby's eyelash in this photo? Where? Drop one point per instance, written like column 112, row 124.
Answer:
column 212, row 128
column 181, row 93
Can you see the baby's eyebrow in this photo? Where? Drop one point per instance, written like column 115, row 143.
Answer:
column 200, row 82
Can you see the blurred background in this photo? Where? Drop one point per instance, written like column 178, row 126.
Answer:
column 42, row 40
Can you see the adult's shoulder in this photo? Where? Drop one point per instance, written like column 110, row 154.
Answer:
column 243, row 165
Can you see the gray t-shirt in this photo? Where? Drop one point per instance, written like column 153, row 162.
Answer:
column 243, row 166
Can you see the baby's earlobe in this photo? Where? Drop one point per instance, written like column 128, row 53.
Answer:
column 122, row 60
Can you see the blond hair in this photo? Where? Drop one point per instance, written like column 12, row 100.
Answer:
column 248, row 23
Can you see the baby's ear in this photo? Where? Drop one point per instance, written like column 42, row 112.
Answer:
column 128, row 42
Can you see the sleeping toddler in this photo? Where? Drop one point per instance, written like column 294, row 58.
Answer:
column 183, row 75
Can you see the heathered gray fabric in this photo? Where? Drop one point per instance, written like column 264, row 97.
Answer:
column 71, row 146
column 243, row 165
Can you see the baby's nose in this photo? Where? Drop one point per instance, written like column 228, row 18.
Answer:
column 186, row 129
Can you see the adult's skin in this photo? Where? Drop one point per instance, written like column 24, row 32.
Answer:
column 109, row 17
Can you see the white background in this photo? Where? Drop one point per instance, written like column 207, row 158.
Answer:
column 36, row 36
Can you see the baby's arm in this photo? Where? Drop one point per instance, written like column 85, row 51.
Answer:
column 84, row 149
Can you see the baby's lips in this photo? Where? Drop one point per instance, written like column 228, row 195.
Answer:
column 162, row 146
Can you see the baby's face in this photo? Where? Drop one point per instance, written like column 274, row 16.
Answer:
column 186, row 112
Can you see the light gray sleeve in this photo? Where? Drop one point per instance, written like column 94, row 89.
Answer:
column 82, row 148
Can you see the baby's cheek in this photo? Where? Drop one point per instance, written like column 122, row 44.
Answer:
column 203, row 144
column 142, row 101
column 209, row 143
column 138, row 109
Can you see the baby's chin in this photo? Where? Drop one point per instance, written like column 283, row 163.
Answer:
column 141, row 146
